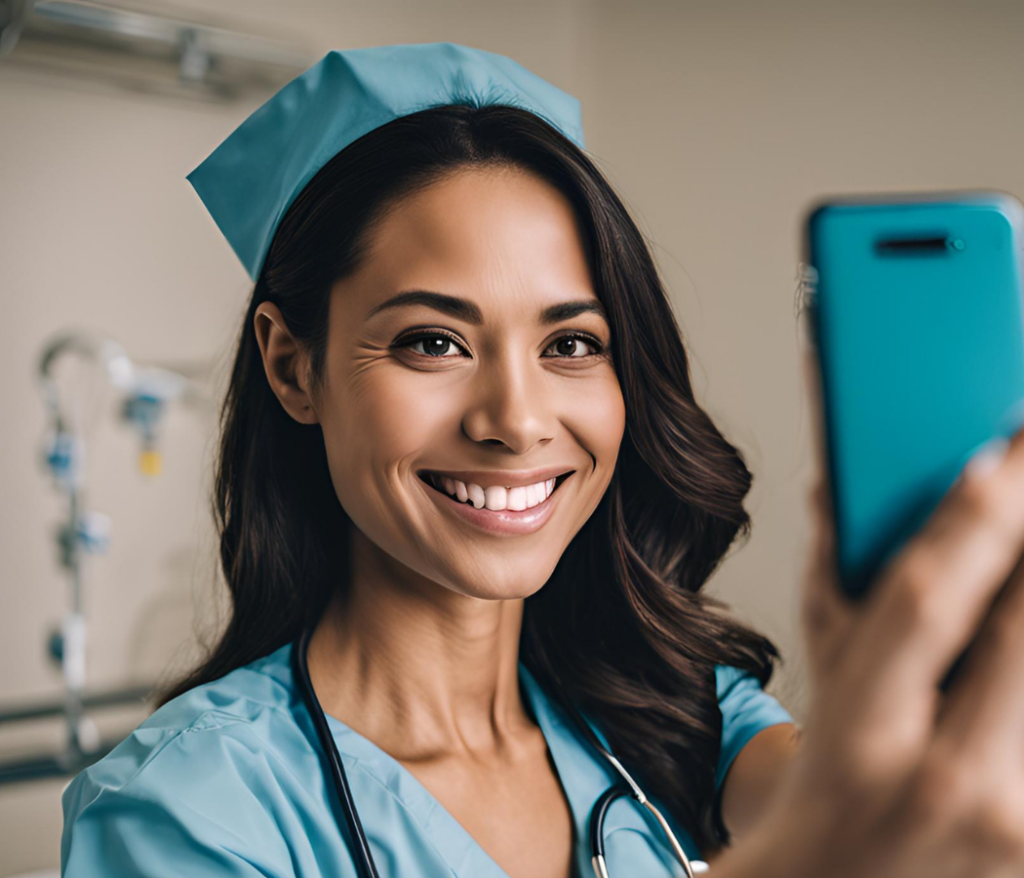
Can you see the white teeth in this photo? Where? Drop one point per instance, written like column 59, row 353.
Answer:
column 495, row 497
column 517, row 499
column 476, row 495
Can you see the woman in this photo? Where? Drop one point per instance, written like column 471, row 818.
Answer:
column 460, row 447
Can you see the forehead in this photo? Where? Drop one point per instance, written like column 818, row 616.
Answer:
column 502, row 237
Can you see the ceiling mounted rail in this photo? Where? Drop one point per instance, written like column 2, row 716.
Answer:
column 147, row 50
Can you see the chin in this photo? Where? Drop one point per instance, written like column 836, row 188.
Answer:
column 495, row 587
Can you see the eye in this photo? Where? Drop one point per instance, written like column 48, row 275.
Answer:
column 435, row 345
column 576, row 346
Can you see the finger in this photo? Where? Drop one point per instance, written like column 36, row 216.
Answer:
column 814, row 395
column 983, row 713
column 821, row 492
column 932, row 596
column 826, row 615
column 826, row 623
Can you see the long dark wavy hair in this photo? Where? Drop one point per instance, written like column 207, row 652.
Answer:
column 621, row 628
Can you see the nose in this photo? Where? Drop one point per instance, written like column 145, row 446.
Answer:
column 511, row 405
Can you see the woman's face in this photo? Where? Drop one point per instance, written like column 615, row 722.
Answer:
column 467, row 373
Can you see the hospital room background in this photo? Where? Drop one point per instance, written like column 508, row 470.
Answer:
column 718, row 122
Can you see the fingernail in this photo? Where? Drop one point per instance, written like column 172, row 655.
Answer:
column 985, row 459
column 1013, row 419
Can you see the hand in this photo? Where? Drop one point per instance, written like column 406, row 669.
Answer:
column 892, row 779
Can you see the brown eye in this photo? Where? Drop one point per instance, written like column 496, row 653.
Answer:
column 575, row 347
column 435, row 345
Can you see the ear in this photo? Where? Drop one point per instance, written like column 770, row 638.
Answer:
column 286, row 363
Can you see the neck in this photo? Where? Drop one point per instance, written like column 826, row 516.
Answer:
column 422, row 671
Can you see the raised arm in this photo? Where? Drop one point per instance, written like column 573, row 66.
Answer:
column 755, row 774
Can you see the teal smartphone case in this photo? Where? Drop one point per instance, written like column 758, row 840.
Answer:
column 918, row 327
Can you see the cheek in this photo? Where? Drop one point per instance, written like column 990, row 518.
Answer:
column 600, row 422
column 597, row 420
column 374, row 427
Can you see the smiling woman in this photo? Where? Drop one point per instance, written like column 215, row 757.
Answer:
column 460, row 446
column 480, row 389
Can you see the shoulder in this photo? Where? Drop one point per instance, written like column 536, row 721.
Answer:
column 207, row 721
column 740, row 692
column 746, row 710
column 203, row 772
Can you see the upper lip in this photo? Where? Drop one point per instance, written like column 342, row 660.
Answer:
column 505, row 478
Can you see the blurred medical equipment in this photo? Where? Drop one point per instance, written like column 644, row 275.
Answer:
column 353, row 825
column 157, row 52
column 143, row 395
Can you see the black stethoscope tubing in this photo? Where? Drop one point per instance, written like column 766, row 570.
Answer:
column 364, row 857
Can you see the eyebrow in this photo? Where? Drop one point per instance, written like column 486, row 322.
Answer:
column 463, row 309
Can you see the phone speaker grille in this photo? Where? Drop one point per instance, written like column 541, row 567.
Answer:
column 919, row 245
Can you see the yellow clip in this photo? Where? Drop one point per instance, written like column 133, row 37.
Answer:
column 150, row 463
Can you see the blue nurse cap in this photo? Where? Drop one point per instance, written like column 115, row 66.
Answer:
column 249, row 181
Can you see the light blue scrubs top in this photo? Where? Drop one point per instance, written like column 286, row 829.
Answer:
column 227, row 780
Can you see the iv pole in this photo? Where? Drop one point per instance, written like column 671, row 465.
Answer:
column 144, row 395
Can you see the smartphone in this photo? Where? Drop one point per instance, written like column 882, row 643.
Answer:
column 915, row 309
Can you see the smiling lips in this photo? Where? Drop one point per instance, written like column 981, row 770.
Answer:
column 495, row 497
column 497, row 508
column 486, row 500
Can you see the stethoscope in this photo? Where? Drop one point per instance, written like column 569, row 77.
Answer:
column 362, row 854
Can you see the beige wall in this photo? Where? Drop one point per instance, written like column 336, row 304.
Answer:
column 720, row 122
column 717, row 122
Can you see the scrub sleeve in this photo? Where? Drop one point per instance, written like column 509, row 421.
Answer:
column 746, row 710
